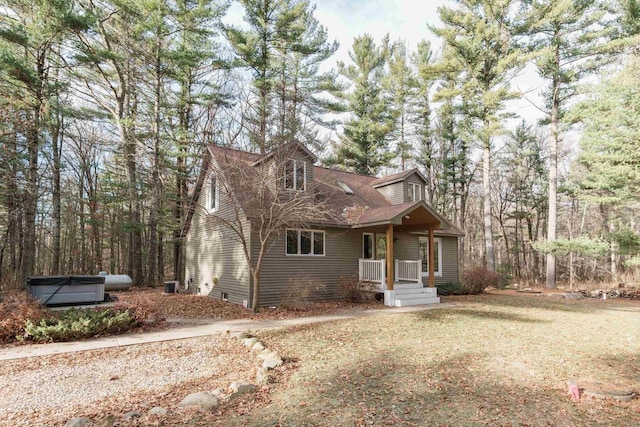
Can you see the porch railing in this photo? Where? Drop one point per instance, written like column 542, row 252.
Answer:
column 409, row 270
column 375, row 270
column 372, row 270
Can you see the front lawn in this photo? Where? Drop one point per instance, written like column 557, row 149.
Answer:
column 496, row 360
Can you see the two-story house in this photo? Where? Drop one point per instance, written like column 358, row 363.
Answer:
column 382, row 231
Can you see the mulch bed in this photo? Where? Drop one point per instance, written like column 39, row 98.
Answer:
column 189, row 306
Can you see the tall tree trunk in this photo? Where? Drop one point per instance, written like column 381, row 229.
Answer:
column 31, row 189
column 553, row 169
column 57, row 138
column 155, row 174
column 486, row 204
column 160, row 261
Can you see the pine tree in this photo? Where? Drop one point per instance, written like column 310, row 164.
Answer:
column 363, row 146
column 401, row 86
column 425, row 79
column 568, row 37
column 480, row 46
column 29, row 35
column 299, row 85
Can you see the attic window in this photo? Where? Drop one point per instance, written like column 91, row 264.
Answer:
column 295, row 172
column 345, row 187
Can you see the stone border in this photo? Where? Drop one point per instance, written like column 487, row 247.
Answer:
column 205, row 400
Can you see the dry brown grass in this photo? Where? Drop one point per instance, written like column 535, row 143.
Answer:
column 499, row 359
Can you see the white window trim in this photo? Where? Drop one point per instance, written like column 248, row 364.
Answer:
column 416, row 191
column 299, row 230
column 216, row 195
column 437, row 241
column 295, row 171
column 373, row 245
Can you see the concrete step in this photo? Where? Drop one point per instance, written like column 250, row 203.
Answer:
column 404, row 302
column 414, row 296
column 412, row 291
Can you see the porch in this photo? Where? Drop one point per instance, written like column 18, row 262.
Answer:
column 406, row 288
column 400, row 279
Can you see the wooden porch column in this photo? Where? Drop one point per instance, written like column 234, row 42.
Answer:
column 389, row 255
column 432, row 273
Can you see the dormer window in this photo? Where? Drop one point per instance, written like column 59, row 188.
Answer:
column 295, row 177
column 414, row 192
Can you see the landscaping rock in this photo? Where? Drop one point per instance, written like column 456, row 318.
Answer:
column 249, row 342
column 573, row 295
column 204, row 400
column 78, row 422
column 107, row 421
column 265, row 354
column 158, row 410
column 599, row 390
column 242, row 388
column 131, row 415
column 262, row 375
column 272, row 361
column 257, row 346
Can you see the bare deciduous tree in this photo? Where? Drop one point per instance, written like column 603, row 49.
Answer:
column 257, row 205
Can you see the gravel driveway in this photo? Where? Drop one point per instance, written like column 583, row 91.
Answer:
column 51, row 389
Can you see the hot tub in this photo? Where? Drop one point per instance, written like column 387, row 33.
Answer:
column 54, row 290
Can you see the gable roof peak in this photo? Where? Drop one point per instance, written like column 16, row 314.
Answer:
column 397, row 177
column 286, row 148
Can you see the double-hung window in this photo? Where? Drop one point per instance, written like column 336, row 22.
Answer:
column 295, row 175
column 305, row 242
column 414, row 192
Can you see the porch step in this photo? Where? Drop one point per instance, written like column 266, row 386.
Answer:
column 411, row 296
column 404, row 302
column 416, row 291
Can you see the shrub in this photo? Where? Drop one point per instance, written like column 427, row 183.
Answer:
column 353, row 290
column 450, row 288
column 79, row 323
column 16, row 308
column 303, row 290
column 477, row 279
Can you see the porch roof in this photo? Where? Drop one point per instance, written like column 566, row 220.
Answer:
column 412, row 216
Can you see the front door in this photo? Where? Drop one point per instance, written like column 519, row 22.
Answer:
column 423, row 254
column 367, row 246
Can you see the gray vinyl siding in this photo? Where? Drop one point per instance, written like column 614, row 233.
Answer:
column 284, row 276
column 394, row 193
column 449, row 260
column 406, row 247
column 211, row 252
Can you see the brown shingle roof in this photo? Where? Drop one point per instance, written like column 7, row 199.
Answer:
column 390, row 179
column 364, row 205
